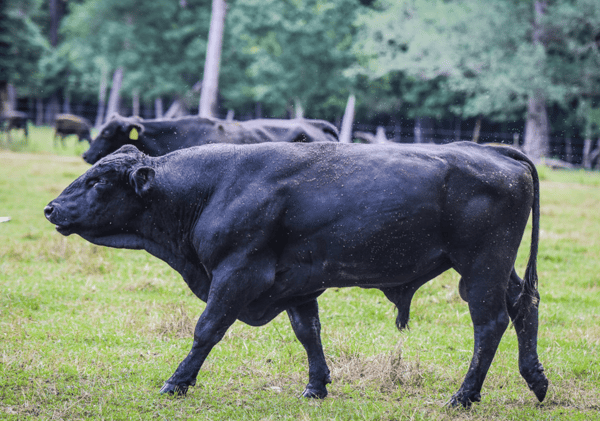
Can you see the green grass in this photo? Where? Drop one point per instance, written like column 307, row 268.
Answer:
column 92, row 333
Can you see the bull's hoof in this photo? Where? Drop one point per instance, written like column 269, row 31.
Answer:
column 314, row 393
column 537, row 381
column 461, row 399
column 540, row 387
column 174, row 389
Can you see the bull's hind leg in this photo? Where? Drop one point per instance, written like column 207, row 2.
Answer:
column 485, row 287
column 307, row 327
column 523, row 311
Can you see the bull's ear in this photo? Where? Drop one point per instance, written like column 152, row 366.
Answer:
column 141, row 180
column 134, row 131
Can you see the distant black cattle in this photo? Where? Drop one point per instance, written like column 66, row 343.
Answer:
column 259, row 229
column 159, row 137
column 15, row 120
column 68, row 124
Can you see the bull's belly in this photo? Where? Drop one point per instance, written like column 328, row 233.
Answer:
column 298, row 281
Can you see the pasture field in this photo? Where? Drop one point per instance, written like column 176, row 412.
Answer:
column 88, row 332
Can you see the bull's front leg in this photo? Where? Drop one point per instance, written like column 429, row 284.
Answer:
column 211, row 327
column 235, row 283
column 307, row 327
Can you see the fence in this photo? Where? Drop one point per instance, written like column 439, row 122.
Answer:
column 566, row 149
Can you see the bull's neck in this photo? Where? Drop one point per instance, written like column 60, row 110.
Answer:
column 156, row 137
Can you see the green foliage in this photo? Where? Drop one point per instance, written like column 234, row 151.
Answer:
column 23, row 45
column 161, row 45
column 90, row 332
column 484, row 52
column 402, row 59
column 278, row 51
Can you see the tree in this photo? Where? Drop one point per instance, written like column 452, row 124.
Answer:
column 493, row 54
column 536, row 138
column 574, row 57
column 21, row 47
column 210, row 81
column 280, row 53
column 160, row 50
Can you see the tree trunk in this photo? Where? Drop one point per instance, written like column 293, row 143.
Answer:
column 380, row 136
column 4, row 107
column 230, row 115
column 516, row 140
column 12, row 97
column 101, row 99
column 158, row 108
column 418, row 130
column 348, row 120
column 136, row 103
column 457, row 129
column 55, row 16
column 39, row 111
column 594, row 155
column 477, row 130
column 587, row 147
column 66, row 105
column 51, row 110
column 589, row 155
column 113, row 99
column 175, row 110
column 536, row 142
column 568, row 150
column 298, row 110
column 210, row 80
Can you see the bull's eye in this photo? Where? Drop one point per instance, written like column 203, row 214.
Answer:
column 96, row 182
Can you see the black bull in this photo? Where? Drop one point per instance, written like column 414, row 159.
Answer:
column 260, row 229
column 159, row 137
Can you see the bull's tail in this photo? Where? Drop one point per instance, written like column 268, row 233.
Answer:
column 531, row 277
column 525, row 318
column 530, row 287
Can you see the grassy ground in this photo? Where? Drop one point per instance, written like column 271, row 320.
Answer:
column 91, row 333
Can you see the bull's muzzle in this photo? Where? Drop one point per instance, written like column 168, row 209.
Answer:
column 51, row 214
column 48, row 210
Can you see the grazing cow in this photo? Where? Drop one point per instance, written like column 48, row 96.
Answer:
column 16, row 120
column 68, row 124
column 261, row 229
column 159, row 137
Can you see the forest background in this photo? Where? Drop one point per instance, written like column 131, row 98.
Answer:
column 512, row 71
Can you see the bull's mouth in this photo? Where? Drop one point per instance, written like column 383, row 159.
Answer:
column 64, row 229
column 61, row 224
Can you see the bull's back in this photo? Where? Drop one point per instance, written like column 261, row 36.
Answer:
column 393, row 212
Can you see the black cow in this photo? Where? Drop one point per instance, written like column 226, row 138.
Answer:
column 68, row 124
column 16, row 120
column 259, row 229
column 159, row 137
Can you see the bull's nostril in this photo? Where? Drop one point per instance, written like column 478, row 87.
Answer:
column 48, row 211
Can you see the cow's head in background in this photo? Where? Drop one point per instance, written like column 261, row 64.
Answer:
column 117, row 132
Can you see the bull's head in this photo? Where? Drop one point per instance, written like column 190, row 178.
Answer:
column 119, row 131
column 104, row 203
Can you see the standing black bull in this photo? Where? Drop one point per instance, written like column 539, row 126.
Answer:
column 68, row 124
column 261, row 229
column 159, row 137
column 15, row 120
